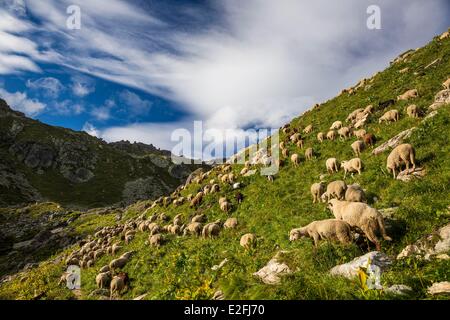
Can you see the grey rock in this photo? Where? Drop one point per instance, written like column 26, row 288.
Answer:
column 350, row 269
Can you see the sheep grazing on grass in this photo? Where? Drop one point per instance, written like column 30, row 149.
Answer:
column 358, row 146
column 446, row 84
column 103, row 279
column 329, row 229
column 244, row 171
column 196, row 200
column 332, row 165
column 369, row 139
column 156, row 240
column 295, row 137
column 193, row 228
column 248, row 241
column 211, row 230
column 402, row 154
column 309, row 154
column 355, row 193
column 350, row 166
column 177, row 220
column 104, row 269
column 331, row 135
column 335, row 189
column 361, row 216
column 295, row 159
column 285, row 152
column 390, row 116
column 344, row 132
column 174, row 229
column 412, row 111
column 308, row 129
column 336, row 125
column 410, row 94
column 224, row 204
column 320, row 136
column 230, row 223
column 300, row 143
column 115, row 248
column 359, row 133
column 352, row 116
column 317, row 189
column 118, row 263
column 369, row 109
column 118, row 284
column 199, row 218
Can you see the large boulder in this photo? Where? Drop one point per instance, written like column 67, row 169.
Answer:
column 439, row 288
column 431, row 245
column 273, row 271
column 370, row 260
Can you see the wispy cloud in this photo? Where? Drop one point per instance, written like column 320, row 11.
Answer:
column 82, row 86
column 137, row 106
column 49, row 86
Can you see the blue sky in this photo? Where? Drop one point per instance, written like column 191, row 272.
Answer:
column 139, row 69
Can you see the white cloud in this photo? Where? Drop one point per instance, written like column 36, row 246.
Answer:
column 137, row 106
column 90, row 129
column 82, row 86
column 67, row 108
column 48, row 85
column 19, row 101
column 101, row 113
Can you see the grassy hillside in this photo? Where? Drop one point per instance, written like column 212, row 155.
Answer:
column 181, row 268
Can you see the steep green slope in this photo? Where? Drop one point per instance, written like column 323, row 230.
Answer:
column 42, row 162
column 181, row 268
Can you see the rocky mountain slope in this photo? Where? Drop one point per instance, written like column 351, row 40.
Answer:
column 42, row 162
column 145, row 241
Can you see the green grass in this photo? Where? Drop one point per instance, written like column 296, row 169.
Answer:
column 181, row 269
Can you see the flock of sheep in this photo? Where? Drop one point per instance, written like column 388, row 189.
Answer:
column 346, row 202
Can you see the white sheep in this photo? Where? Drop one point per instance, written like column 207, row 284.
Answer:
column 369, row 109
column 412, row 111
column 329, row 229
column 359, row 133
column 332, row 165
column 358, row 146
column 248, row 241
column 336, row 125
column 403, row 153
column 446, row 84
column 230, row 223
column 344, row 132
column 331, row 135
column 355, row 193
column 408, row 95
column 308, row 129
column 320, row 137
column 353, row 165
column 361, row 216
column 156, row 240
column 390, row 116
column 335, row 189
column 102, row 279
column 211, row 230
column 317, row 189
column 309, row 154
column 353, row 114
column 193, row 228
column 295, row 159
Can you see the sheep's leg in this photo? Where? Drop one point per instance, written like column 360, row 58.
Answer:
column 316, row 238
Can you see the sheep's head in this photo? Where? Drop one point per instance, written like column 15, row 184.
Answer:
column 331, row 204
column 324, row 197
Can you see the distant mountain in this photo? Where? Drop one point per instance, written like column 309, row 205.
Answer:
column 43, row 162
